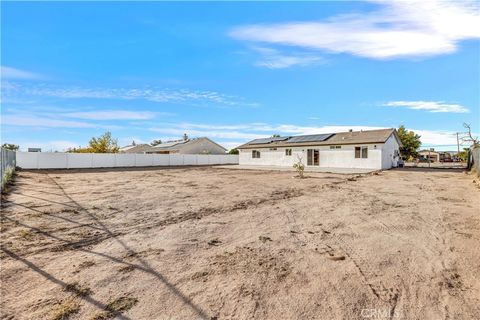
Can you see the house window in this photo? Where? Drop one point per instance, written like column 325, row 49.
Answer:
column 288, row 152
column 361, row 152
column 313, row 157
column 273, row 149
column 335, row 147
column 255, row 154
column 365, row 152
column 357, row 152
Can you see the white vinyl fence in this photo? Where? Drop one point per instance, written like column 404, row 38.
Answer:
column 57, row 160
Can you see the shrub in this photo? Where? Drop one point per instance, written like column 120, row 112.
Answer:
column 299, row 167
column 7, row 178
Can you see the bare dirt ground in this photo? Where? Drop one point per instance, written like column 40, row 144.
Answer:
column 214, row 243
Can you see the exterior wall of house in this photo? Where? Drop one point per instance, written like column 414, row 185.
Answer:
column 329, row 158
column 390, row 153
column 201, row 146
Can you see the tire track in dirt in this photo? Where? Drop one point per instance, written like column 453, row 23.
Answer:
column 377, row 206
column 337, row 244
column 434, row 227
column 274, row 197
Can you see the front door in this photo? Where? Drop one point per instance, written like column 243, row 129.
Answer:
column 313, row 157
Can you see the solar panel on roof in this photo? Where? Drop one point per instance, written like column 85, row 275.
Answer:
column 268, row 140
column 311, row 138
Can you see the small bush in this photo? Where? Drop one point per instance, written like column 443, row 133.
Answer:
column 299, row 167
column 65, row 309
column 7, row 178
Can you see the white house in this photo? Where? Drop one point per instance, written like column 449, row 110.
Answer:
column 371, row 149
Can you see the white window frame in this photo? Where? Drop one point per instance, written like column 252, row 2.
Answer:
column 361, row 149
column 311, row 160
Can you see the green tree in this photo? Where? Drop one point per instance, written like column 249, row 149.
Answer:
column 275, row 135
column 10, row 146
column 463, row 154
column 411, row 142
column 233, row 151
column 103, row 144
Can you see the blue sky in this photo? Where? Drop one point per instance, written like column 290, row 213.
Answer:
column 234, row 71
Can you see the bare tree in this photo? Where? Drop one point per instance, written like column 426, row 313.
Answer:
column 469, row 137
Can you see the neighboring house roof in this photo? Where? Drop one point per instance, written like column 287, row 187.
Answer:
column 138, row 148
column 426, row 151
column 177, row 145
column 350, row 137
column 168, row 145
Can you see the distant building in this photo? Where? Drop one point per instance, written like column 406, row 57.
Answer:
column 184, row 146
column 436, row 156
column 34, row 149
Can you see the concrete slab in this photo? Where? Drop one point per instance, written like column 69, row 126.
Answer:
column 307, row 169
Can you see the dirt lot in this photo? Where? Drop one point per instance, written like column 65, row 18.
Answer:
column 215, row 243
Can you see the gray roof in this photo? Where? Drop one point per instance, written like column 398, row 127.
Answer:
column 139, row 148
column 169, row 145
column 349, row 137
column 176, row 145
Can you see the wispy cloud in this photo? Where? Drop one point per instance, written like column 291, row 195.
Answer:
column 246, row 131
column 112, row 115
column 202, row 97
column 397, row 29
column 68, row 120
column 216, row 134
column 35, row 121
column 17, row 74
column 275, row 59
column 430, row 106
column 233, row 135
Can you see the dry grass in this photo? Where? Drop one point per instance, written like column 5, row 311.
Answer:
column 126, row 269
column 115, row 307
column 78, row 289
column 26, row 234
column 86, row 264
column 65, row 309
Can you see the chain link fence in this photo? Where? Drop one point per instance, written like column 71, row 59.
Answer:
column 7, row 163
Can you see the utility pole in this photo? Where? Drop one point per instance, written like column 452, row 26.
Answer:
column 429, row 149
column 458, row 146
